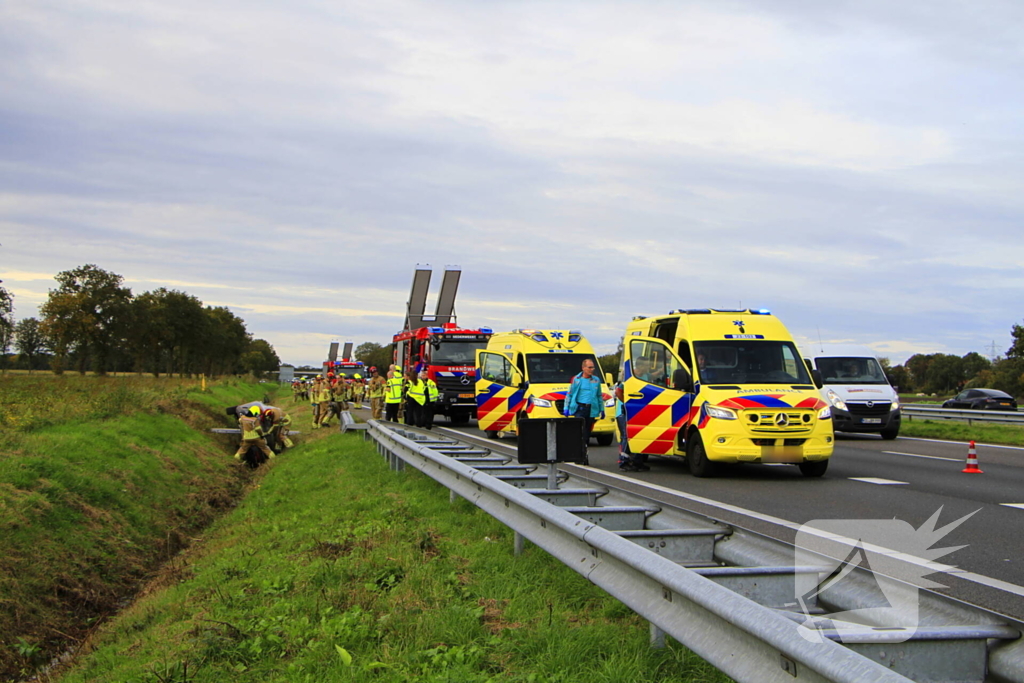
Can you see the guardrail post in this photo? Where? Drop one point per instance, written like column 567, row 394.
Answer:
column 452, row 496
column 518, row 545
column 552, row 444
column 657, row 637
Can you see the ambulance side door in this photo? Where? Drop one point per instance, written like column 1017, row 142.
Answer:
column 655, row 408
column 499, row 395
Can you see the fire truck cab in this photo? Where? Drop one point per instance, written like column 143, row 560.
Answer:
column 448, row 353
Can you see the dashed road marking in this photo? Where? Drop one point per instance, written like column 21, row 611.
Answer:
column 876, row 480
column 930, row 457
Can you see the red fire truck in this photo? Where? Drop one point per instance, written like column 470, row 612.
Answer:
column 448, row 353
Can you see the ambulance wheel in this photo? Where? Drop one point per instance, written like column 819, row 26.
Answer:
column 698, row 461
column 890, row 433
column 491, row 434
column 815, row 468
column 604, row 439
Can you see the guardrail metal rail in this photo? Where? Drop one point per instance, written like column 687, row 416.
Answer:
column 725, row 593
column 911, row 411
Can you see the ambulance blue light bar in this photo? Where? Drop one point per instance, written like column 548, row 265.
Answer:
column 760, row 311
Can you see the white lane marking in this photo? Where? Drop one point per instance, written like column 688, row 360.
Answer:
column 964, row 443
column 930, row 457
column 849, row 542
column 1013, row 505
column 876, row 480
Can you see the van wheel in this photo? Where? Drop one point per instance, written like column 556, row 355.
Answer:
column 890, row 433
column 813, row 469
column 698, row 461
column 604, row 439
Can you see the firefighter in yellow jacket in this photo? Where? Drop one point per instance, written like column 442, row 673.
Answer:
column 322, row 393
column 252, row 434
column 375, row 392
column 276, row 420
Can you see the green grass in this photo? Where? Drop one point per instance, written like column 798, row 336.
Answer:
column 102, row 480
column 334, row 568
column 1009, row 435
column 30, row 402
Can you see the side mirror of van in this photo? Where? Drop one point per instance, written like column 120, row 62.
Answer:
column 682, row 381
column 816, row 376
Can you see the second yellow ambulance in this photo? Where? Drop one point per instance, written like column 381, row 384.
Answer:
column 525, row 374
column 719, row 386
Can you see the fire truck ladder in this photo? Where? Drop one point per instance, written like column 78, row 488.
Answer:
column 417, row 298
column 445, row 311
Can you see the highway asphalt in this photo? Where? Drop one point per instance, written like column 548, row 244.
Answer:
column 868, row 478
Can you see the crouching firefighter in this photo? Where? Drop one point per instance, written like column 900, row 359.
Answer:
column 277, row 423
column 252, row 435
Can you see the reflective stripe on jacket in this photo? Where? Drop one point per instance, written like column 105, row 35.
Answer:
column 394, row 390
column 432, row 392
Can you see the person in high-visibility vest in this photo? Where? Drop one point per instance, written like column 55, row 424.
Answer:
column 433, row 394
column 415, row 399
column 375, row 391
column 393, row 396
column 252, row 434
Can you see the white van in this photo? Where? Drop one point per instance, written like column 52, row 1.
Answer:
column 855, row 386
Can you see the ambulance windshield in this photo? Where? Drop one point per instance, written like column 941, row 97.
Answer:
column 556, row 368
column 735, row 361
column 456, row 352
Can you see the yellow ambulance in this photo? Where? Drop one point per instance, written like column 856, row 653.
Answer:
column 526, row 373
column 722, row 386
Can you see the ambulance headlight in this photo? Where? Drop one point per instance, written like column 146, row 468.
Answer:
column 895, row 405
column 834, row 399
column 540, row 402
column 720, row 412
column 825, row 413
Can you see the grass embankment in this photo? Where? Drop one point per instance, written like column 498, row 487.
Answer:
column 1009, row 435
column 334, row 568
column 101, row 479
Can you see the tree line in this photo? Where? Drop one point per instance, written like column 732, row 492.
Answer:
column 91, row 321
column 941, row 373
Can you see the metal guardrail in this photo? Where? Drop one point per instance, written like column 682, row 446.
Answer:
column 670, row 571
column 911, row 411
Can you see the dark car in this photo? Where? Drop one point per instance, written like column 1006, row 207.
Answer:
column 982, row 399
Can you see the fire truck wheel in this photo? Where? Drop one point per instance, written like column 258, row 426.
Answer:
column 459, row 418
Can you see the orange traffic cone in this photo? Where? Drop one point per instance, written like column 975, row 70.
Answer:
column 972, row 461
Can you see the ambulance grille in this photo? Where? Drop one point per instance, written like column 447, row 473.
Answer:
column 768, row 422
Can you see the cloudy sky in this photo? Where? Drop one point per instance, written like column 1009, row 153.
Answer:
column 854, row 166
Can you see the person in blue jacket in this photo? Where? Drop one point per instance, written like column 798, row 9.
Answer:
column 584, row 399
